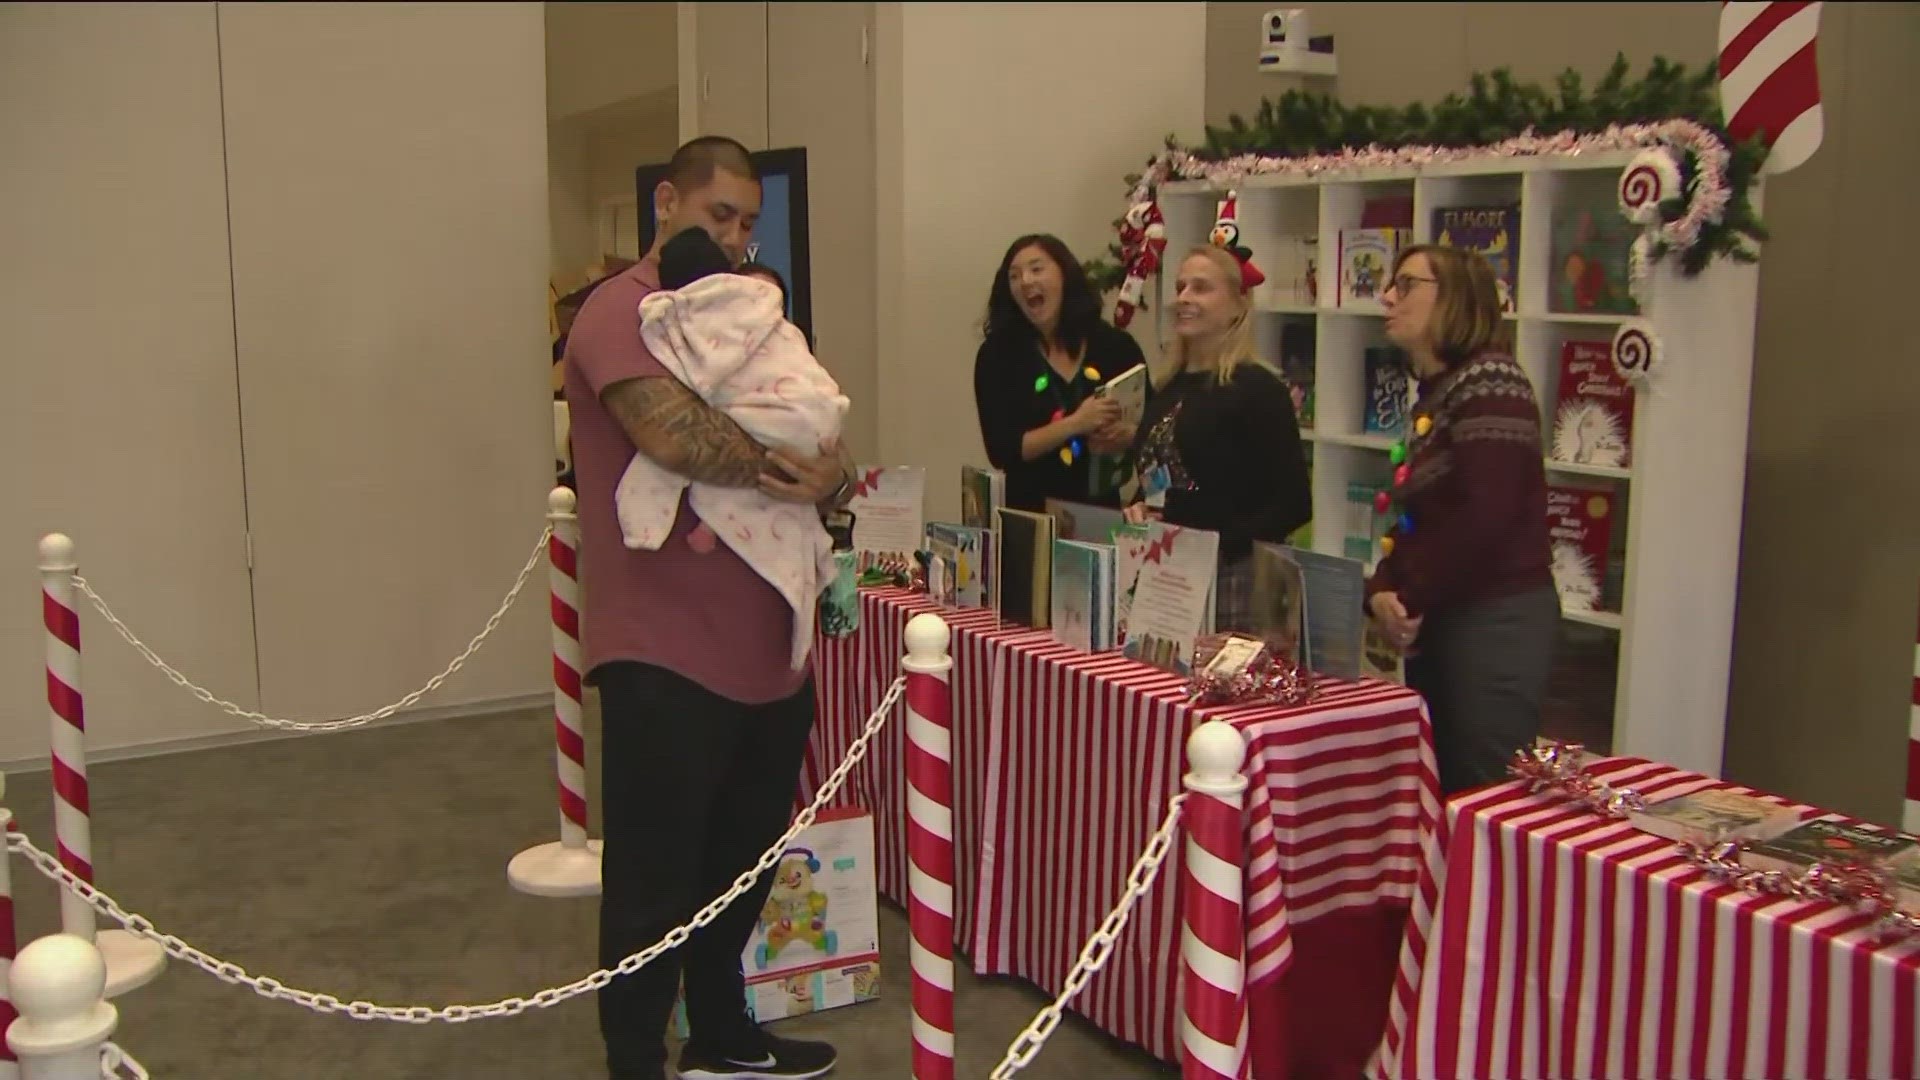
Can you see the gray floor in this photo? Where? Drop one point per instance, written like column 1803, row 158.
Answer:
column 371, row 864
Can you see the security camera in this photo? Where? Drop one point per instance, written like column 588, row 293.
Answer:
column 1282, row 28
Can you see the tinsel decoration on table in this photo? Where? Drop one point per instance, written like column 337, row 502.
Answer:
column 1864, row 887
column 1558, row 766
column 1268, row 678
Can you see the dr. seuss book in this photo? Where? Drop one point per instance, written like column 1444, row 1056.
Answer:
column 1591, row 239
column 1706, row 817
column 1389, row 389
column 1172, row 601
column 1493, row 231
column 1579, row 529
column 953, row 565
column 1082, row 595
column 1023, row 548
column 888, row 513
column 1593, row 422
column 1825, row 840
column 816, row 944
column 1366, row 257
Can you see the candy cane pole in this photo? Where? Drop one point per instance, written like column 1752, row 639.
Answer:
column 572, row 866
column 131, row 961
column 929, row 697
column 1213, row 1031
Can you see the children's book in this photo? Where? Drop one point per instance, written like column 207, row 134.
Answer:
column 953, row 565
column 1082, row 594
column 1493, row 231
column 1579, row 533
column 1024, row 549
column 1714, row 814
column 1173, row 598
column 1593, row 420
column 888, row 509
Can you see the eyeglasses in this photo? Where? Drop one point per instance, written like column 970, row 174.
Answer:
column 1404, row 283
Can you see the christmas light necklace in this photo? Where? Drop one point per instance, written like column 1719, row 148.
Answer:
column 1075, row 446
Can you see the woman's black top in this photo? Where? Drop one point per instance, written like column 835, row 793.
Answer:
column 1234, row 456
column 1015, row 391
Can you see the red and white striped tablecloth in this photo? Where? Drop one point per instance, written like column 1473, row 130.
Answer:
column 851, row 675
column 1563, row 943
column 1087, row 752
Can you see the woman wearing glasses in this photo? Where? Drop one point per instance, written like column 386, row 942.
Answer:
column 1465, row 588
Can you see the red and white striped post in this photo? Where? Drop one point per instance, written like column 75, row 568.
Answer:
column 1213, row 1029
column 132, row 962
column 929, row 697
column 9, row 947
column 570, row 867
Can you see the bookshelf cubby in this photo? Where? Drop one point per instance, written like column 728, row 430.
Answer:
column 1646, row 672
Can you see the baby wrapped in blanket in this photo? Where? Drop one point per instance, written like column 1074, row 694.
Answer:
column 725, row 337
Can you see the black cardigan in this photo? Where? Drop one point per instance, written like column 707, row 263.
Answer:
column 1004, row 373
column 1240, row 445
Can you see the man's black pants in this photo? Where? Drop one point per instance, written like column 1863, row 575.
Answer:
column 693, row 788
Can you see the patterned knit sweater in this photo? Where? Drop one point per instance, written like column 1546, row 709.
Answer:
column 1476, row 492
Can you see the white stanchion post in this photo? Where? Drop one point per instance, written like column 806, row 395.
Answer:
column 1213, row 1024
column 59, row 983
column 132, row 962
column 570, row 867
column 929, row 698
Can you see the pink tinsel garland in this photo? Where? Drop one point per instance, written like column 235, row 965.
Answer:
column 1866, row 888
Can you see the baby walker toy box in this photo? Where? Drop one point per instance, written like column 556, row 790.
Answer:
column 817, row 943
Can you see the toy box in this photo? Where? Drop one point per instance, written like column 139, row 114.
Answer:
column 817, row 944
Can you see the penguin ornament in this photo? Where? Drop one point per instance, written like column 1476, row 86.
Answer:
column 1226, row 235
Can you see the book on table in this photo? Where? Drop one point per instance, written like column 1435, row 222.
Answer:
column 1082, row 595
column 1023, row 546
column 1825, row 840
column 1712, row 815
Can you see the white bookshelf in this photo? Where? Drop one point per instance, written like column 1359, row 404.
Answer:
column 1678, row 502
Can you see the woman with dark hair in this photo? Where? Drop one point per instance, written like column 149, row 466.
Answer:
column 1046, row 351
column 1466, row 587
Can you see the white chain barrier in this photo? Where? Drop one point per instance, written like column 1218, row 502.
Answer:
column 117, row 1064
column 231, row 709
column 1099, row 947
column 273, row 990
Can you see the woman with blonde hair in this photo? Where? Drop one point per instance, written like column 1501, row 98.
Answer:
column 1465, row 588
column 1219, row 448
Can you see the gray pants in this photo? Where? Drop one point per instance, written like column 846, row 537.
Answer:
column 1483, row 669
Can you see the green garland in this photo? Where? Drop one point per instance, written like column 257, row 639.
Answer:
column 1498, row 107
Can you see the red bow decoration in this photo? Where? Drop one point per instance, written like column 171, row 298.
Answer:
column 867, row 483
column 1161, row 546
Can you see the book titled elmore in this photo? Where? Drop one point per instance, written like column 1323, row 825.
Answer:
column 1824, row 840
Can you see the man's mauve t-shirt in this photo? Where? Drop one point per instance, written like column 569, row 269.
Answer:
column 704, row 614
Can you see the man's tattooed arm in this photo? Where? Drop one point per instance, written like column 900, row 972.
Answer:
column 676, row 430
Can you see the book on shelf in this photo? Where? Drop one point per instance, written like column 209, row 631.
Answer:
column 1365, row 525
column 1712, row 815
column 1082, row 595
column 1366, row 258
column 954, row 554
column 1579, row 532
column 888, row 513
column 1587, row 274
column 1297, row 344
column 1387, row 211
column 1172, row 604
column 1825, row 840
column 1288, row 263
column 1084, row 521
column 1390, row 392
column 1593, row 418
column 1023, row 545
column 1493, row 231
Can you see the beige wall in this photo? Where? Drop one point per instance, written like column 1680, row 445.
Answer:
column 612, row 70
column 1830, row 558
column 997, row 120
column 374, row 317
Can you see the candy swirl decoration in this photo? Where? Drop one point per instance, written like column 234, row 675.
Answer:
column 1636, row 351
column 1650, row 179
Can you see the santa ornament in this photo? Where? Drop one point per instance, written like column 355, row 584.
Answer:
column 1226, row 236
column 1143, row 237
